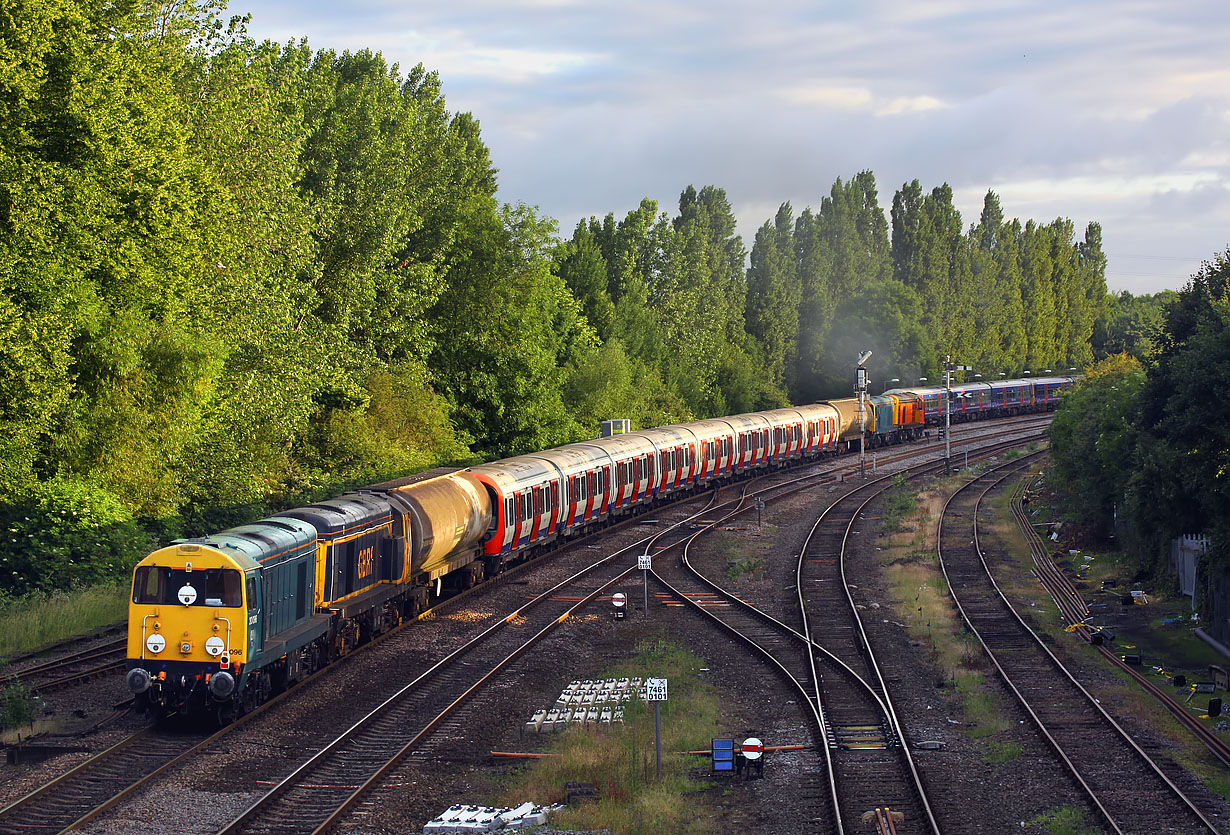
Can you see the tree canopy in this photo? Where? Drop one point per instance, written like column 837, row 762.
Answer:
column 235, row 276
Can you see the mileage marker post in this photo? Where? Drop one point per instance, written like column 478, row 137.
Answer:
column 655, row 691
column 645, row 563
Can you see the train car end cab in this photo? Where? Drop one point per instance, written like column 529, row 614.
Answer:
column 193, row 616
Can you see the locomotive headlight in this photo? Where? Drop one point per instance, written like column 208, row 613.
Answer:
column 155, row 643
column 214, row 646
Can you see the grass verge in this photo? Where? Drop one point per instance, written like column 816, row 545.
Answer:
column 921, row 602
column 621, row 762
column 39, row 618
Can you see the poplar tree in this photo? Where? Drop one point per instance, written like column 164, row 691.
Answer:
column 1089, row 295
column 817, row 302
column 773, row 297
column 1038, row 295
column 584, row 270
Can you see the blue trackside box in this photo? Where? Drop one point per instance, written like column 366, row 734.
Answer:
column 723, row 755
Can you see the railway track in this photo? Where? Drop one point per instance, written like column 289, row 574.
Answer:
column 327, row 786
column 77, row 796
column 324, row 789
column 108, row 778
column 868, row 764
column 1074, row 610
column 1131, row 793
column 72, row 669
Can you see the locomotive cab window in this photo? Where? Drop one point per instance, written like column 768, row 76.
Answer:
column 210, row 587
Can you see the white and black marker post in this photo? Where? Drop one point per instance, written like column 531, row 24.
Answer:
column 645, row 563
column 655, row 691
column 619, row 601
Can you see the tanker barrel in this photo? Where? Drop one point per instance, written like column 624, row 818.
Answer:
column 450, row 513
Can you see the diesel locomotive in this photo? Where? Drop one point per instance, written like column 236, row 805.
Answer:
column 219, row 623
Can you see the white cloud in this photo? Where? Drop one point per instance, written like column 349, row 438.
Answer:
column 821, row 96
column 825, row 96
column 506, row 65
column 1107, row 110
column 911, row 104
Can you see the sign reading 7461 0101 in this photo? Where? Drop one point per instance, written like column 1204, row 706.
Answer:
column 655, row 690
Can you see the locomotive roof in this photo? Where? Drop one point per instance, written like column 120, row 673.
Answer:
column 259, row 541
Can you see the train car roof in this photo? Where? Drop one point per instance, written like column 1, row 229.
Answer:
column 751, row 420
column 249, row 545
column 673, row 433
column 705, row 430
column 514, row 472
column 347, row 512
column 623, row 446
column 406, row 481
column 920, row 392
column 573, row 457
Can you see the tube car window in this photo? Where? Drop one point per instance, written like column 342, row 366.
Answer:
column 208, row 587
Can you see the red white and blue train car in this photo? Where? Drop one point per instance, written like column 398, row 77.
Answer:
column 973, row 401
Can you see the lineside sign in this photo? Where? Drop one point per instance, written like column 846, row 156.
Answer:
column 655, row 690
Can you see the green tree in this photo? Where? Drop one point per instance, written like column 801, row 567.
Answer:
column 885, row 317
column 1088, row 294
column 1038, row 295
column 505, row 327
column 584, row 270
column 1094, row 439
column 1181, row 487
column 773, row 298
column 1129, row 324
column 842, row 250
column 1011, row 337
column 931, row 256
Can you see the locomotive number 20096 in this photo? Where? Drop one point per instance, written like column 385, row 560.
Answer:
column 366, row 560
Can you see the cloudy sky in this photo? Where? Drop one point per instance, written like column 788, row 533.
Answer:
column 1107, row 110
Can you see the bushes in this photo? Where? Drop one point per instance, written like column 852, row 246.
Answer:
column 16, row 705
column 68, row 532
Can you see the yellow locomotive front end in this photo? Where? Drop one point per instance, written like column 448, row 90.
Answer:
column 187, row 628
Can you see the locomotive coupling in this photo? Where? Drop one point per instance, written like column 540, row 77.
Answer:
column 138, row 680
